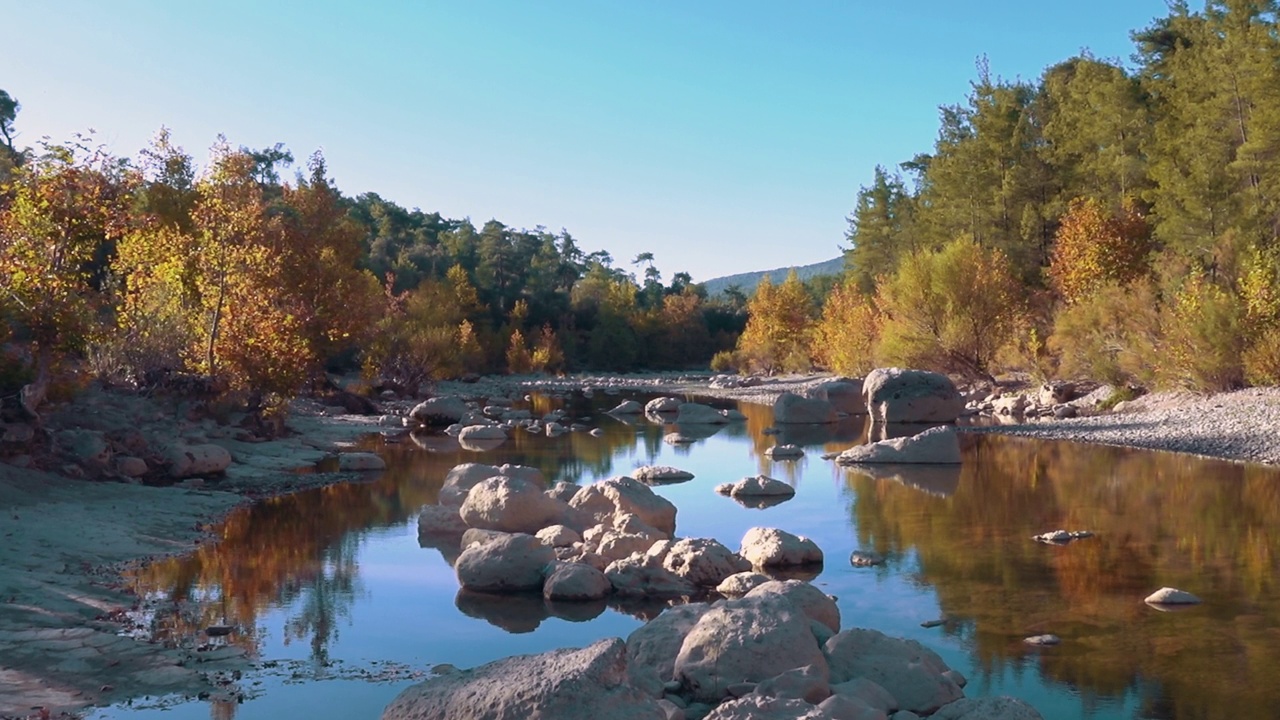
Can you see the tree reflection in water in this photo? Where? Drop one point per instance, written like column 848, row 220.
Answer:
column 1161, row 519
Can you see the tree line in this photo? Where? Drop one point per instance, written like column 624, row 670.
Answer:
column 137, row 268
column 1110, row 220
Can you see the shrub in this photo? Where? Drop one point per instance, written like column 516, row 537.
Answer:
column 725, row 361
column 1110, row 336
column 1262, row 359
column 1204, row 342
column 949, row 310
column 1094, row 248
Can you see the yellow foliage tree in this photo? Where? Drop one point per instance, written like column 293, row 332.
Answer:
column 519, row 361
column 547, row 355
column 844, row 339
column 779, row 323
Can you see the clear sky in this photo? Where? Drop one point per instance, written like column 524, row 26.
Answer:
column 722, row 136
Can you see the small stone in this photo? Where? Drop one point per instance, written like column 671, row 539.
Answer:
column 219, row 630
column 1172, row 596
column 865, row 558
column 1042, row 640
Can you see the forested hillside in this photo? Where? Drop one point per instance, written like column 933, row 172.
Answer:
column 1112, row 220
column 746, row 282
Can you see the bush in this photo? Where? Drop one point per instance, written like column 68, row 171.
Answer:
column 1110, row 336
column 725, row 361
column 950, row 310
column 1204, row 342
column 1262, row 360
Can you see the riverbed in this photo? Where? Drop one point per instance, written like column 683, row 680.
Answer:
column 338, row 605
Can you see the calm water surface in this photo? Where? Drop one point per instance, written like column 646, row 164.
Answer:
column 333, row 583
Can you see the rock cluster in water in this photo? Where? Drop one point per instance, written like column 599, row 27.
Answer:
column 756, row 647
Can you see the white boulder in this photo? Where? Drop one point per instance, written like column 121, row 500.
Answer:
column 660, row 474
column 505, row 564
column 511, row 505
column 895, row 395
column 935, row 446
column 703, row 561
column 791, row 408
column 603, row 499
column 770, row 547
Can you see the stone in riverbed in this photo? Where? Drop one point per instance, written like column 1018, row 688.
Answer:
column 988, row 708
column 662, row 405
column 511, row 505
column 740, row 584
column 785, row 452
column 758, row 486
column 936, row 446
column 653, row 647
column 586, row 684
column 845, row 395
column 865, row 558
column 790, row 408
column 768, row 547
column 617, row 495
column 745, row 640
column 627, row 407
column 186, row 461
column 576, row 581
column 806, row 598
column 661, row 474
column 1043, row 640
column 703, row 561
column 910, row 672
column 699, row 414
column 505, row 564
column 896, row 395
column 440, row 411
column 360, row 462
column 1171, row 596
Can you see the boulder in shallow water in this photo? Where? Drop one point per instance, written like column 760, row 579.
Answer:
column 603, row 499
column 913, row 674
column 506, row 564
column 703, row 561
column 511, row 505
column 791, row 408
column 576, row 581
column 586, row 684
column 1172, row 596
column 440, row 411
column 660, row 474
column 897, row 395
column 699, row 414
column 771, row 547
column 935, row 446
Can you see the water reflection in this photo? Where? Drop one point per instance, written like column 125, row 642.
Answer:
column 1161, row 519
column 955, row 539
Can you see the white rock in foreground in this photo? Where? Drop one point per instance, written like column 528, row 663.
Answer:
column 586, row 684
column 900, row 395
column 1172, row 596
column 769, row 547
column 935, row 446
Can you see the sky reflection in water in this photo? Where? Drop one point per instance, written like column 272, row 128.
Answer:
column 336, row 577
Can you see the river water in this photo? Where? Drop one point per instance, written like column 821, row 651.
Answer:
column 341, row 607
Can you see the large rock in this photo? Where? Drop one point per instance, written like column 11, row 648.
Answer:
column 740, row 584
column 845, row 395
column 662, row 405
column 461, row 478
column 771, row 547
column 913, row 674
column 808, row 599
column 745, row 640
column 699, row 414
column 586, row 684
column 652, row 648
column 988, row 708
column 703, row 561
column 440, row 411
column 482, row 432
column 790, row 408
column 759, row 707
column 442, row 520
column 661, row 475
column 506, row 564
column 90, row 448
column 808, row 683
column 601, row 500
column 627, row 407
column 191, row 460
column 511, row 505
column 558, row 536
column 576, row 581
column 935, row 446
column 895, row 395
column 632, row 576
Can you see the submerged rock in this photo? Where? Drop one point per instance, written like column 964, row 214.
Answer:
column 660, row 474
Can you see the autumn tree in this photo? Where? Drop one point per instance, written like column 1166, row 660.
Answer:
column 1095, row 247
column 845, row 336
column 779, row 323
column 949, row 310
column 66, row 210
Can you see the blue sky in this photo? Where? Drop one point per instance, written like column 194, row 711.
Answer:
column 721, row 136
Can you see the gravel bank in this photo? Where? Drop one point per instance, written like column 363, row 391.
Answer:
column 1243, row 425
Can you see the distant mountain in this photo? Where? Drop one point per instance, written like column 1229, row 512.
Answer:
column 747, row 281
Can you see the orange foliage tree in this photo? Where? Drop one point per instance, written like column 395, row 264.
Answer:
column 844, row 338
column 1095, row 247
column 779, row 323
